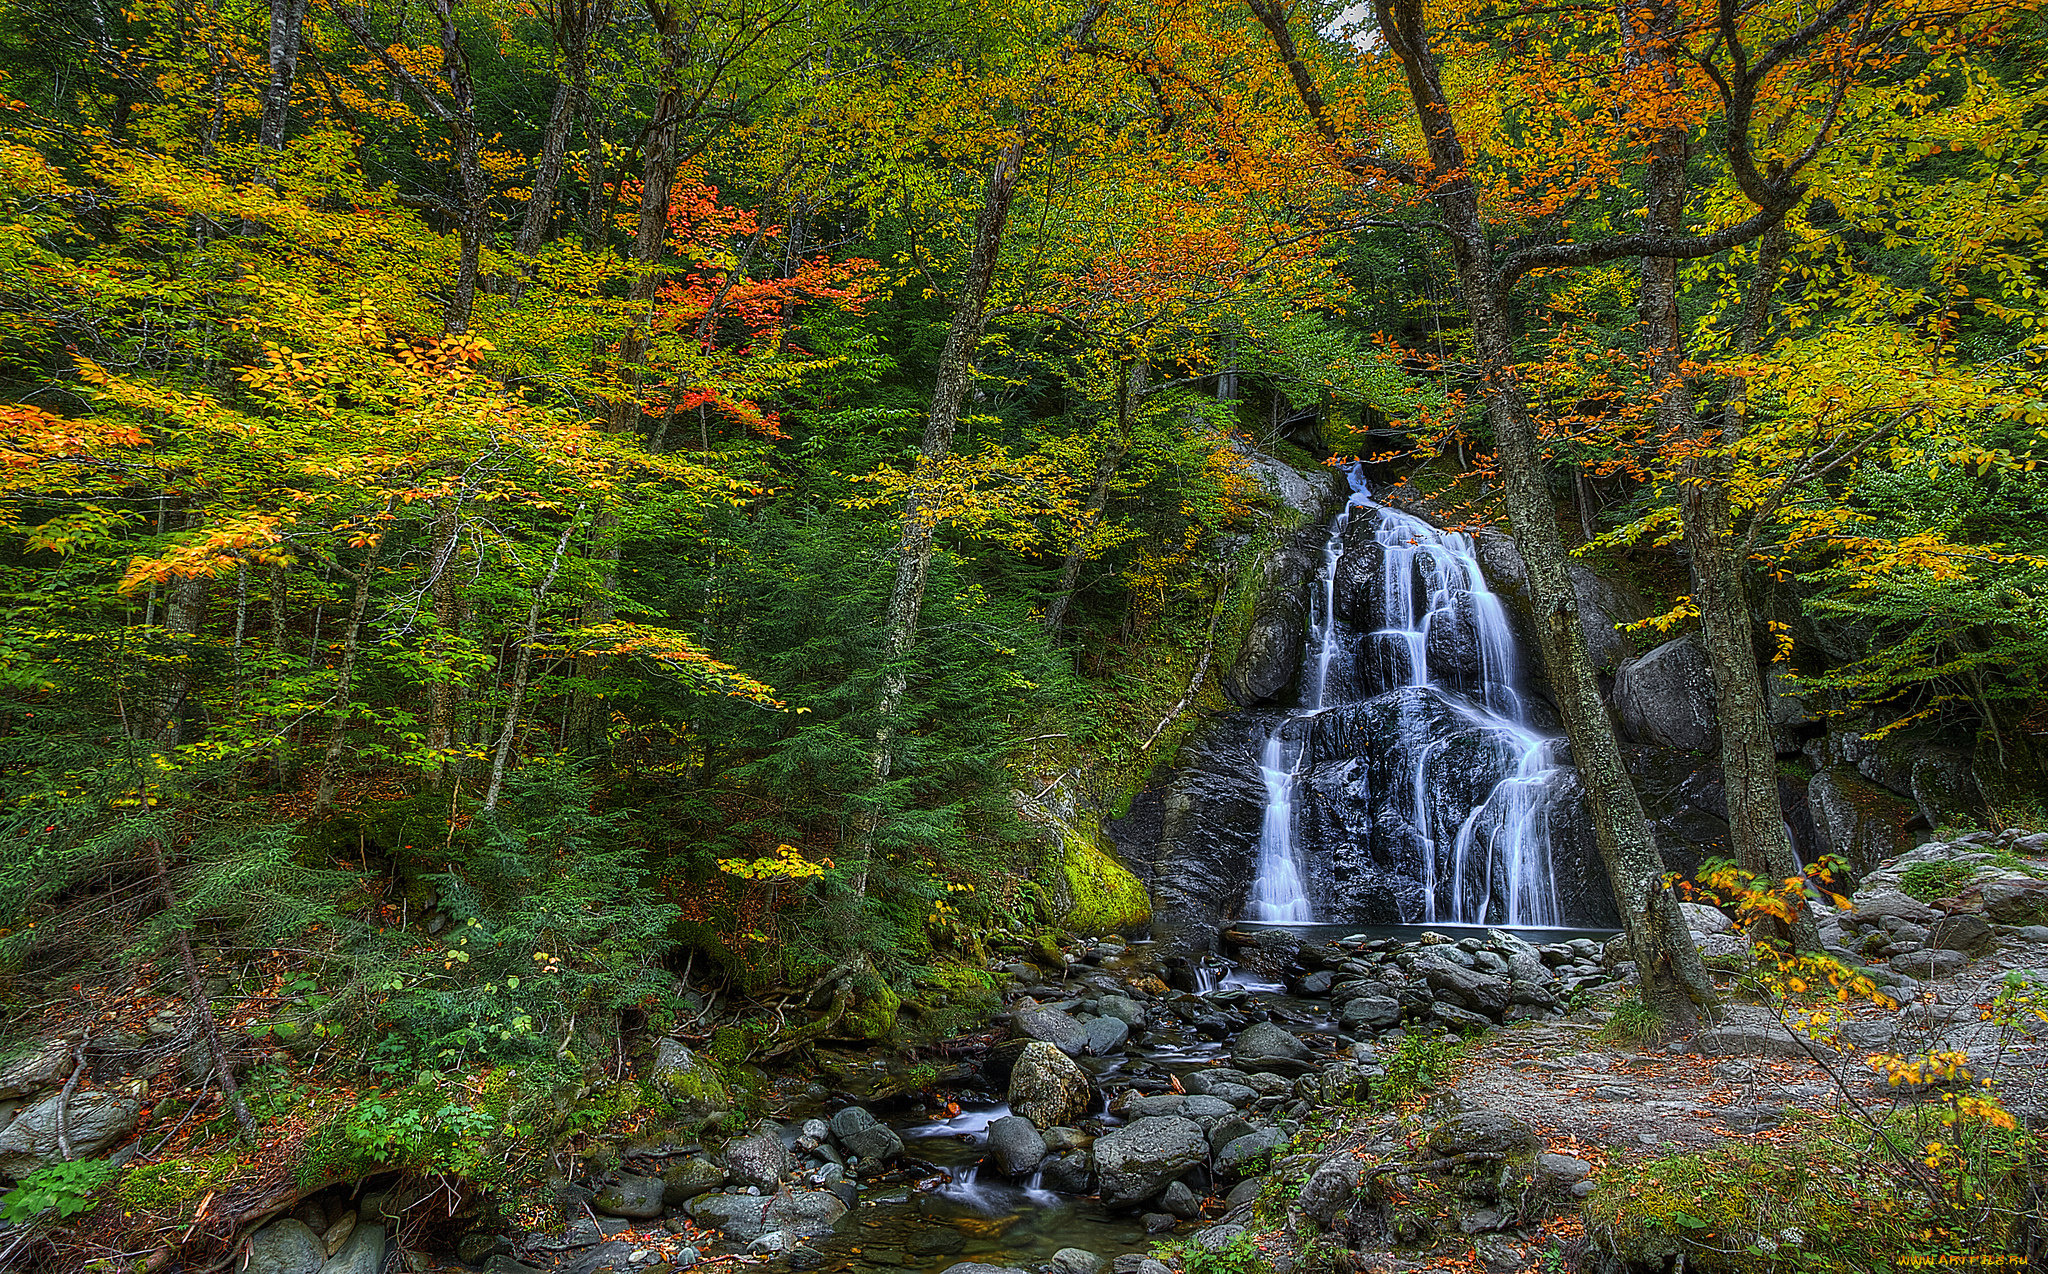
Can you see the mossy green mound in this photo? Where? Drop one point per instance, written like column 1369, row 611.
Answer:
column 1100, row 897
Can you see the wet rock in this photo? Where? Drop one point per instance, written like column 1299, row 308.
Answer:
column 1271, row 653
column 758, row 1160
column 864, row 1135
column 1209, row 832
column 745, row 1217
column 1666, row 698
column 1263, row 1046
column 1105, row 1035
column 1074, row 1260
column 1217, row 1237
column 1124, row 1009
column 285, row 1247
column 97, row 1120
column 333, row 1236
column 1370, row 1013
column 684, row 1181
column 601, row 1258
column 1965, row 932
column 978, row 1267
column 694, row 1090
column 1137, row 1161
column 1051, row 1026
column 935, row 1242
column 361, row 1252
column 1181, row 1201
column 44, row 1066
column 631, row 1196
column 1467, row 988
column 1015, row 1147
column 1857, row 819
column 1067, row 1173
column 1046, row 1087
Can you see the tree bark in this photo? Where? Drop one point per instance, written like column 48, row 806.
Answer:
column 1749, row 762
column 441, row 587
column 574, row 24
column 287, row 22
column 524, row 668
column 1674, row 981
column 351, row 644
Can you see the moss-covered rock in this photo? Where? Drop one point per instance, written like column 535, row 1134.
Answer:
column 872, row 1014
column 1094, row 895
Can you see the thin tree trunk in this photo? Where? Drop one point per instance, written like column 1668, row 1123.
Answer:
column 287, row 22
column 280, row 654
column 547, row 170
column 351, row 643
column 524, row 667
column 1749, row 763
column 1674, row 981
column 195, row 995
column 949, row 391
column 1098, row 500
column 441, row 693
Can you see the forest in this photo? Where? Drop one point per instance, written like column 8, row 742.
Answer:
column 534, row 528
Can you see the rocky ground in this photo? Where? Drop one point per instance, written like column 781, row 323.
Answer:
column 1302, row 1115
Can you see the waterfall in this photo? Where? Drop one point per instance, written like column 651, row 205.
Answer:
column 1431, row 785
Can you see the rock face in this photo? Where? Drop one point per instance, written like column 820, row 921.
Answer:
column 44, row 1066
column 695, row 1092
column 1139, row 1160
column 1209, row 832
column 1046, row 1087
column 97, row 1120
column 1271, row 654
column 1859, row 820
column 685, row 1180
column 1052, row 1026
column 1666, row 698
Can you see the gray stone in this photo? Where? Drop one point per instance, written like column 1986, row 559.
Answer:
column 1046, row 1087
column 1271, row 651
column 2015, row 902
column 684, row 1181
column 1481, row 1132
column 1559, row 1172
column 745, row 1217
column 333, row 1236
column 630, row 1196
column 758, row 1160
column 1964, row 932
column 1181, row 1201
column 1263, row 1046
column 1741, row 1039
column 502, row 1263
column 1051, row 1026
column 979, row 1267
column 285, row 1247
column 1875, row 905
column 1138, row 1160
column 97, row 1120
column 44, row 1066
column 1207, row 1108
column 864, row 1135
column 1217, row 1237
column 772, row 1242
column 1124, row 1009
column 1373, row 1012
column 695, row 1092
column 1249, row 1153
column 1239, row 1095
column 1666, row 698
column 1328, row 1190
column 1104, row 1035
column 1929, row 964
column 1073, row 1260
column 1466, row 988
column 361, row 1251
column 601, row 1258
column 1704, row 919
column 1067, row 1173
column 1015, row 1147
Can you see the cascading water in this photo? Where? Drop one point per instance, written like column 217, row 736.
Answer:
column 1410, row 785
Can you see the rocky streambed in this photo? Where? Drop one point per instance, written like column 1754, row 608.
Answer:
column 1123, row 1100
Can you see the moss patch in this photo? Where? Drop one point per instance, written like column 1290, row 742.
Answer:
column 1102, row 897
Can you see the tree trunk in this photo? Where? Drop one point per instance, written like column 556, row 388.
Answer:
column 344, row 712
column 547, row 170
column 1674, row 981
column 1098, row 500
column 287, row 21
column 195, row 996
column 441, row 693
column 949, row 392
column 184, row 610
column 524, row 667
column 1749, row 762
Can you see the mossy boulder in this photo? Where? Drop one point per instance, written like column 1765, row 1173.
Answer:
column 689, row 1089
column 872, row 1014
column 1093, row 894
